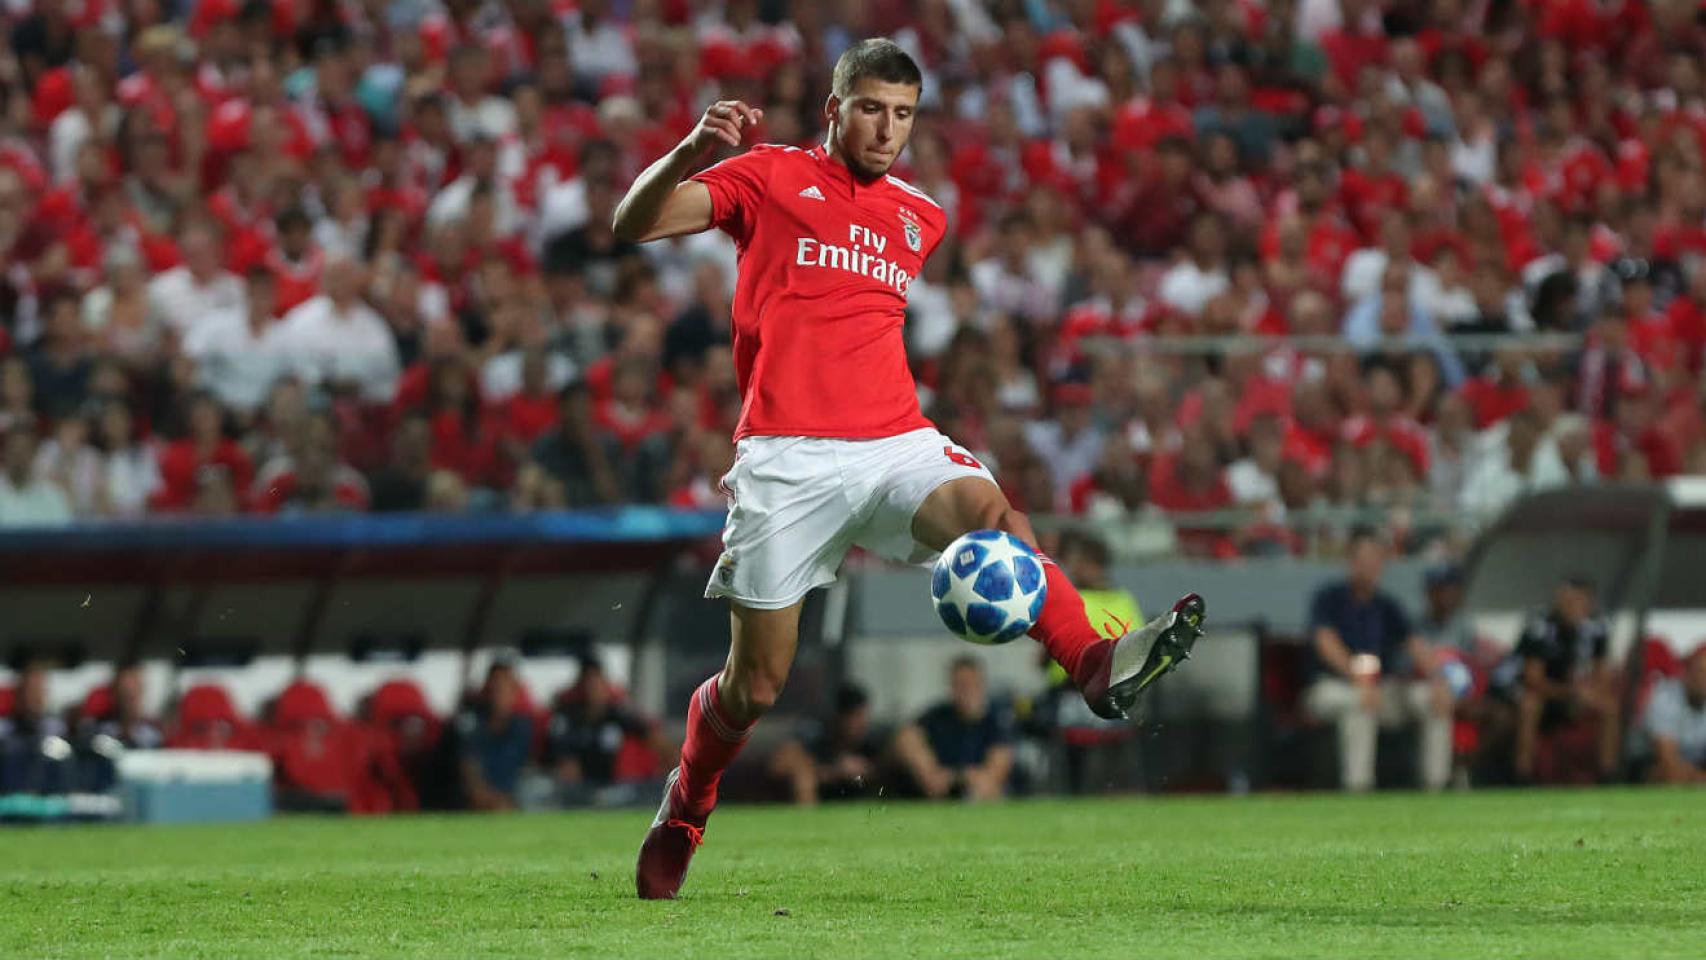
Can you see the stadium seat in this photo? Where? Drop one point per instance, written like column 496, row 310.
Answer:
column 402, row 734
column 97, row 703
column 5, row 701
column 319, row 760
column 208, row 720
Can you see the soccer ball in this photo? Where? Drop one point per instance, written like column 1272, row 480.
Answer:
column 988, row 587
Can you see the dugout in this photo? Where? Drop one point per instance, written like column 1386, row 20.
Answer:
column 1643, row 547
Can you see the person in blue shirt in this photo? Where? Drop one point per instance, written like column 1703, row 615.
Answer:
column 1372, row 669
column 962, row 747
column 493, row 741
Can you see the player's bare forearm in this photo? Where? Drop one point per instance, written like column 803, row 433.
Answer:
column 659, row 204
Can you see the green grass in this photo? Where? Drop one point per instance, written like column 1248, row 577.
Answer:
column 1538, row 874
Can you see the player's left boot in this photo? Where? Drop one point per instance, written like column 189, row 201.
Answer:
column 668, row 848
column 1131, row 664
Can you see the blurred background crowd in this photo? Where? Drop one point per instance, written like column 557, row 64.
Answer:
column 1242, row 270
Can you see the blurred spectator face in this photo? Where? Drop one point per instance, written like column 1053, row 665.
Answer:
column 412, row 448
column 64, row 324
column 1367, row 562
column 967, row 690
column 200, row 251
column 1454, row 419
column 1208, row 242
column 32, row 691
column 872, row 124
column 343, row 282
column 260, row 291
column 1574, row 601
column 1445, row 596
column 71, row 433
column 446, row 493
column 20, row 454
column 632, row 384
column 127, row 691
column 205, row 426
column 500, row 690
column 1694, row 677
column 1523, row 438
column 1385, row 395
column 1394, row 313
column 1267, row 435
column 17, row 387
column 115, row 427
column 1296, row 486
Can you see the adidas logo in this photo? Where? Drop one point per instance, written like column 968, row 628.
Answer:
column 812, row 193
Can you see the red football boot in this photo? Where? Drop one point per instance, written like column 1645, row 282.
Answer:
column 667, row 849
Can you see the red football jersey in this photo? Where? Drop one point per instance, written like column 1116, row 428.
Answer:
column 825, row 261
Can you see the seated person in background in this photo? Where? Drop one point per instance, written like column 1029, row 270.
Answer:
column 121, row 714
column 24, row 768
column 492, row 740
column 962, row 747
column 587, row 730
column 836, row 758
column 1371, row 670
column 1676, row 723
column 1559, row 675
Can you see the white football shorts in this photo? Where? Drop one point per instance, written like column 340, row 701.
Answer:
column 798, row 504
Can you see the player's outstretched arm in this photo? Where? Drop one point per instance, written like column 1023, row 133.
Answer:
column 659, row 205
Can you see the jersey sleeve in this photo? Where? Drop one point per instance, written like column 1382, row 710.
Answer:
column 737, row 187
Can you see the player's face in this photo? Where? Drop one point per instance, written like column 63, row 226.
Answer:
column 871, row 126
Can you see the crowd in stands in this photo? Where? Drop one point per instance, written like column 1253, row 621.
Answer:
column 285, row 256
column 394, row 754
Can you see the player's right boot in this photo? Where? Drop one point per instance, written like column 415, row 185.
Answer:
column 1132, row 663
column 668, row 847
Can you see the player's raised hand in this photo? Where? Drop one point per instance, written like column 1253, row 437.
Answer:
column 725, row 121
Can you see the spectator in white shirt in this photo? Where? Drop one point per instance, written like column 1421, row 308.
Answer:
column 471, row 110
column 599, row 47
column 237, row 352
column 479, row 178
column 1201, row 276
column 337, row 342
column 1522, row 464
column 182, row 296
column 69, row 462
column 130, row 470
column 1676, row 724
column 1254, row 480
column 27, row 500
column 1070, row 445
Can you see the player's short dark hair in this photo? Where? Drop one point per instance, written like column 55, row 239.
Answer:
column 877, row 58
column 965, row 661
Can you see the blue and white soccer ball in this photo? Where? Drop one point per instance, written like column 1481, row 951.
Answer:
column 988, row 587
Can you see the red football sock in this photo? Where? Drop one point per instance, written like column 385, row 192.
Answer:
column 713, row 740
column 1063, row 627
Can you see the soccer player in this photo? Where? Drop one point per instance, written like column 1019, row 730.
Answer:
column 831, row 448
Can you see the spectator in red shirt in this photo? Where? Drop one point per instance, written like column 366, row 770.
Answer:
column 203, row 462
column 1192, row 482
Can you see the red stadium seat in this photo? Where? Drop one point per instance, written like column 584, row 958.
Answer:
column 5, row 701
column 315, row 753
column 208, row 720
column 97, row 703
column 402, row 732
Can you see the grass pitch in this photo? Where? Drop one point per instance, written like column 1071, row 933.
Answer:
column 1536, row 874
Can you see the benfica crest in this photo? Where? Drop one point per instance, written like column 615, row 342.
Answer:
column 914, row 233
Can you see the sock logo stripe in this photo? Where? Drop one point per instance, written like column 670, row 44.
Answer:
column 708, row 708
